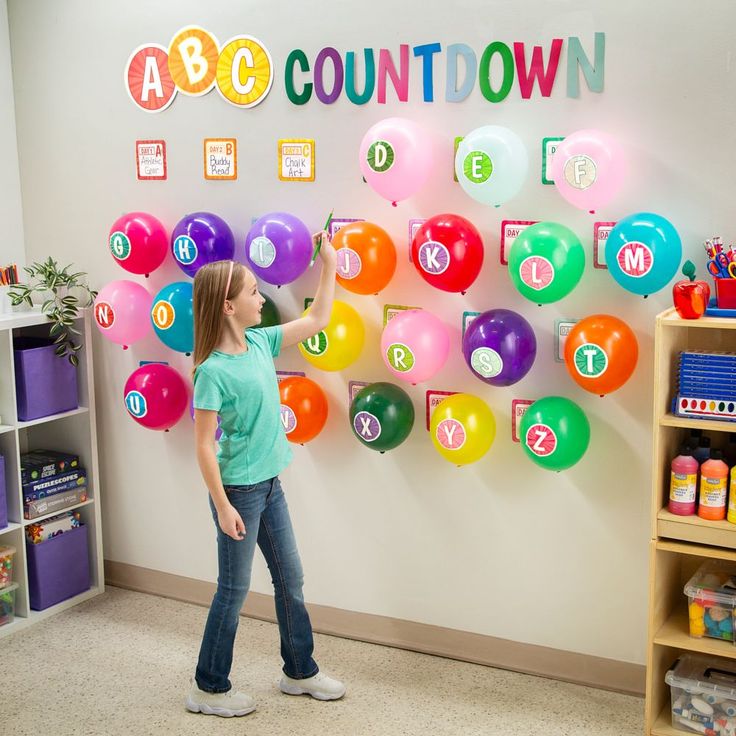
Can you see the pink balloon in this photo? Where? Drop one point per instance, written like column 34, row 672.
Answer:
column 138, row 242
column 415, row 345
column 396, row 158
column 588, row 169
column 123, row 312
column 156, row 396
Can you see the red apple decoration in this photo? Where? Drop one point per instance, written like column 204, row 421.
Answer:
column 689, row 296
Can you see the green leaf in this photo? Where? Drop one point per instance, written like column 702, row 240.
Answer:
column 73, row 359
column 60, row 350
column 688, row 269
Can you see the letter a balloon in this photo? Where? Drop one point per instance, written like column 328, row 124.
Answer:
column 601, row 353
column 462, row 428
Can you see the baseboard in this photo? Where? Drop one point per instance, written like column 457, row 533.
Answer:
column 556, row 664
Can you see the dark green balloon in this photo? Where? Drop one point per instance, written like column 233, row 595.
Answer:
column 269, row 314
column 565, row 444
column 382, row 416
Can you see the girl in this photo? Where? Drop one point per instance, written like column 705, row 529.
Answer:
column 235, row 378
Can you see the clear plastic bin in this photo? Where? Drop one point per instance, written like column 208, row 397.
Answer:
column 703, row 693
column 6, row 566
column 7, row 604
column 711, row 596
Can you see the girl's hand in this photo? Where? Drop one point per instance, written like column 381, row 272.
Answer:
column 326, row 252
column 230, row 522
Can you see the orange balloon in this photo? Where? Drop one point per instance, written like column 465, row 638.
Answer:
column 303, row 408
column 601, row 353
column 366, row 257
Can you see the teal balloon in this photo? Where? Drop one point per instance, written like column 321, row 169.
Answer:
column 269, row 314
column 643, row 253
column 546, row 262
column 382, row 416
column 555, row 433
column 172, row 316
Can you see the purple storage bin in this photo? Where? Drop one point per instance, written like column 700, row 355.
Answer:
column 45, row 383
column 3, row 496
column 58, row 568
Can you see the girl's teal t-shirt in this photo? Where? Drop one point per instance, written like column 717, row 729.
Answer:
column 244, row 391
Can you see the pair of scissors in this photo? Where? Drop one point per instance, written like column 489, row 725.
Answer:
column 721, row 268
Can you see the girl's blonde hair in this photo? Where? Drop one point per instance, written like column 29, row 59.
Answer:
column 210, row 283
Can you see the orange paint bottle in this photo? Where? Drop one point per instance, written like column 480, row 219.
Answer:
column 713, row 487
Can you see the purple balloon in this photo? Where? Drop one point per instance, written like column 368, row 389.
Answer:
column 499, row 346
column 201, row 238
column 278, row 248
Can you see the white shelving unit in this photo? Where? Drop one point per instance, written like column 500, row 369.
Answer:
column 72, row 431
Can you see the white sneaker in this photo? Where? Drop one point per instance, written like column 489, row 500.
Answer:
column 319, row 686
column 227, row 704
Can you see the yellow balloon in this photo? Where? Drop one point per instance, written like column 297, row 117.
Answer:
column 462, row 428
column 340, row 343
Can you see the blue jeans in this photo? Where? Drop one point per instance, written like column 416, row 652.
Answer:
column 266, row 517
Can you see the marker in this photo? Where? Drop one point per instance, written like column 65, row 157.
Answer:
column 319, row 242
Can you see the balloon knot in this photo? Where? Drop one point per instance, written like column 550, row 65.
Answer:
column 602, row 395
column 125, row 347
column 147, row 275
column 187, row 354
column 646, row 296
column 463, row 293
column 592, row 212
column 393, row 204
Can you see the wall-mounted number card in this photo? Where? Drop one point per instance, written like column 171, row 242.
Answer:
column 281, row 375
column 391, row 310
column 549, row 146
column 354, row 387
column 296, row 159
column 414, row 225
column 220, row 158
column 468, row 317
column 510, row 230
column 434, row 399
column 337, row 222
column 601, row 231
column 562, row 330
column 150, row 158
column 518, row 408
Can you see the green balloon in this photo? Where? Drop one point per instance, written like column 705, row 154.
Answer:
column 269, row 314
column 554, row 433
column 546, row 262
column 382, row 416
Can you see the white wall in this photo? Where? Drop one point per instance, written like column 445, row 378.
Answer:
column 11, row 215
column 500, row 547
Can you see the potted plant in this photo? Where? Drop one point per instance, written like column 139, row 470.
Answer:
column 63, row 293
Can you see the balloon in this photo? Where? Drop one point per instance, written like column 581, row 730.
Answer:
column 546, row 262
column 172, row 316
column 447, row 250
column 201, row 238
column 396, row 158
column 415, row 345
column 218, row 431
column 499, row 346
column 588, row 169
column 340, row 343
column 462, row 428
column 138, row 242
column 382, row 416
column 156, row 396
column 269, row 313
column 491, row 164
column 554, row 433
column 643, row 252
column 366, row 257
column 121, row 312
column 303, row 408
column 278, row 248
column 601, row 353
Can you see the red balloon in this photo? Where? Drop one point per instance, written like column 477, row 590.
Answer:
column 303, row 408
column 447, row 250
column 156, row 396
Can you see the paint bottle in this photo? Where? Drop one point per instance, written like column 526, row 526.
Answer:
column 702, row 452
column 732, row 497
column 683, row 483
column 713, row 487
